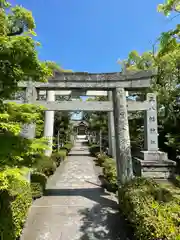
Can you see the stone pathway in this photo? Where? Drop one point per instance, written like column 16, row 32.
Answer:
column 75, row 207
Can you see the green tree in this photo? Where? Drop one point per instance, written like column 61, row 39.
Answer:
column 166, row 60
column 19, row 61
column 97, row 120
column 169, row 6
column 62, row 126
column 18, row 55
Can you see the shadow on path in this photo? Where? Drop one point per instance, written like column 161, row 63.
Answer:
column 77, row 154
column 95, row 194
column 101, row 222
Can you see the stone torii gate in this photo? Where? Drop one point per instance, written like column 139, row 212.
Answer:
column 151, row 160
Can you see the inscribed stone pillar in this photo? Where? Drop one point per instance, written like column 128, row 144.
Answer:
column 29, row 130
column 123, row 149
column 152, row 162
column 49, row 124
column 111, row 132
column 151, row 152
column 150, row 126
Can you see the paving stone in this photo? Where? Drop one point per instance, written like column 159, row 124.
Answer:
column 74, row 206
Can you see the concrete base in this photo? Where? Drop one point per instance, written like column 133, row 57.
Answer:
column 154, row 165
column 153, row 156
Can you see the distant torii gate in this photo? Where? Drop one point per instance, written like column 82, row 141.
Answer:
column 153, row 161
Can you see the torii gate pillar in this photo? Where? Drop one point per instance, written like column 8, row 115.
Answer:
column 49, row 123
column 123, row 147
column 111, row 132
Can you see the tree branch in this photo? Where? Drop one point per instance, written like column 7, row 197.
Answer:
column 19, row 32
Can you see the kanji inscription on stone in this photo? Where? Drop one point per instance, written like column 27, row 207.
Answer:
column 152, row 119
column 151, row 124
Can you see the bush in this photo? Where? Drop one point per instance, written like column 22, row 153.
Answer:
column 109, row 171
column 68, row 146
column 58, row 157
column 100, row 158
column 178, row 181
column 38, row 184
column 153, row 211
column 15, row 200
column 94, row 149
column 45, row 165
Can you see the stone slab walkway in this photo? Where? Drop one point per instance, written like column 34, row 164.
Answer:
column 75, row 207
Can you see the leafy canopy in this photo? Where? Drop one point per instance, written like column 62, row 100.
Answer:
column 18, row 55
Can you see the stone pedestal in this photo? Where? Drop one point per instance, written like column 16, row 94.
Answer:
column 153, row 156
column 154, row 165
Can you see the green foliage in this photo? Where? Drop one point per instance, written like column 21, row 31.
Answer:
column 166, row 60
column 38, row 184
column 178, row 181
column 44, row 165
column 17, row 151
column 97, row 120
column 58, row 157
column 62, row 153
column 13, row 116
column 169, row 6
column 68, row 146
column 100, row 158
column 94, row 149
column 152, row 210
column 63, row 126
column 19, row 58
column 16, row 198
column 109, row 169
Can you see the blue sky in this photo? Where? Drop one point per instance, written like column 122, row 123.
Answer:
column 90, row 35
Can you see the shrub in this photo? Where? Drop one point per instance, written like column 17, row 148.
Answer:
column 100, row 158
column 153, row 211
column 109, row 171
column 178, row 181
column 15, row 200
column 45, row 165
column 94, row 149
column 38, row 184
column 58, row 157
column 68, row 146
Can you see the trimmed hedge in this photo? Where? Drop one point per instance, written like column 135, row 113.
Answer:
column 45, row 165
column 38, row 184
column 94, row 149
column 15, row 200
column 101, row 158
column 58, row 157
column 109, row 169
column 178, row 181
column 67, row 146
column 153, row 211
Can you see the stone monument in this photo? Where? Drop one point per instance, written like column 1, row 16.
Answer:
column 151, row 162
